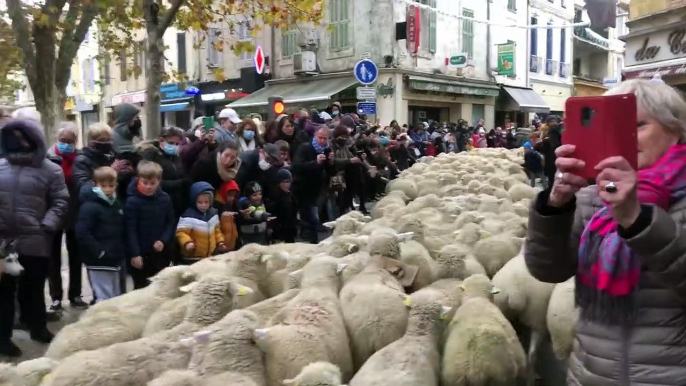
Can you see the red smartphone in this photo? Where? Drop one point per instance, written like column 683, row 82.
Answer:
column 601, row 127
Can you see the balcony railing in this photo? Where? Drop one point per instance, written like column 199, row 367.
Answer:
column 535, row 64
column 564, row 70
column 550, row 67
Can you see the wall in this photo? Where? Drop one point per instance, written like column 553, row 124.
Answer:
column 520, row 36
column 545, row 12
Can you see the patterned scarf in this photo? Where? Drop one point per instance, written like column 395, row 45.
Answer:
column 608, row 271
column 317, row 148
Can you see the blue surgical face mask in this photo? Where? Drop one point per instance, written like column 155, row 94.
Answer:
column 65, row 148
column 334, row 113
column 171, row 149
column 98, row 190
column 383, row 140
column 248, row 135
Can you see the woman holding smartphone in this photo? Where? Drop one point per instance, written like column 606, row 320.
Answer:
column 623, row 240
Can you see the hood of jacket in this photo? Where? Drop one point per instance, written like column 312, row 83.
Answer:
column 124, row 113
column 33, row 131
column 199, row 188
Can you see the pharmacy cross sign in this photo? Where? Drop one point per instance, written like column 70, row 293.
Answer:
column 258, row 58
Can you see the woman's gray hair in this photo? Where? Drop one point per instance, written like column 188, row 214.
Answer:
column 26, row 113
column 657, row 100
column 68, row 127
column 172, row 131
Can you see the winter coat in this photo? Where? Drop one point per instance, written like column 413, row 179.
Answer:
column 100, row 231
column 73, row 209
column 174, row 181
column 192, row 150
column 310, row 178
column 121, row 134
column 651, row 350
column 284, row 208
column 548, row 145
column 221, row 135
column 250, row 171
column 533, row 161
column 34, row 197
column 85, row 164
column 200, row 228
column 148, row 219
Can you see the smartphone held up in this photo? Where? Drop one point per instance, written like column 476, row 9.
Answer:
column 601, row 127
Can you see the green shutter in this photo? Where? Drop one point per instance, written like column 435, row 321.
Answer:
column 432, row 27
column 340, row 23
column 468, row 33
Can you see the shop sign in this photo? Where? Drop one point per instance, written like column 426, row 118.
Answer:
column 451, row 89
column 662, row 71
column 134, row 97
column 386, row 90
column 663, row 45
column 220, row 96
column 172, row 91
column 506, row 59
column 413, row 29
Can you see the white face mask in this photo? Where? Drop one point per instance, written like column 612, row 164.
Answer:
column 198, row 133
column 264, row 165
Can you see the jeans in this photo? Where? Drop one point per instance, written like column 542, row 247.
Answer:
column 310, row 213
column 55, row 275
column 534, row 176
column 105, row 284
column 28, row 288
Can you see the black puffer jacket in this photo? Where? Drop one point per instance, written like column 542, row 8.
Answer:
column 174, row 181
column 100, row 231
column 85, row 164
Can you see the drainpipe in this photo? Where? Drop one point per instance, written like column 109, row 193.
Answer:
column 489, row 43
column 528, row 43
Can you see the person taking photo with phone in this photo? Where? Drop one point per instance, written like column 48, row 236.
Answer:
column 624, row 241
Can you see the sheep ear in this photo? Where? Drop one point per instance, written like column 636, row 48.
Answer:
column 241, row 290
column 352, row 248
column 202, row 336
column 188, row 342
column 462, row 287
column 296, row 272
column 340, row 268
column 265, row 258
column 484, row 235
column 188, row 288
column 330, row 224
column 402, row 237
column 366, row 218
column 407, row 302
column 260, row 333
column 188, row 276
column 445, row 310
column 495, row 290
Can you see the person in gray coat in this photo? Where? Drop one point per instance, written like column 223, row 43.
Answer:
column 33, row 203
column 127, row 127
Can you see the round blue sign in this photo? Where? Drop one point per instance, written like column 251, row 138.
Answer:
column 192, row 90
column 366, row 71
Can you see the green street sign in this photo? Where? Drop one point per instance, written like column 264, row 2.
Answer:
column 458, row 61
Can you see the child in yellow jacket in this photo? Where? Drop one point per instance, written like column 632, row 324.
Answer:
column 198, row 232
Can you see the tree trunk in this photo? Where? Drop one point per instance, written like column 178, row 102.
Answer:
column 50, row 105
column 155, row 72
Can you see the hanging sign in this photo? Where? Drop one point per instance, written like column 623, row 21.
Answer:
column 413, row 29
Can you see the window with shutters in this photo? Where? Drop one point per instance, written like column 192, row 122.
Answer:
column 214, row 56
column 427, row 36
column 468, row 32
column 512, row 5
column 181, row 51
column 339, row 20
column 245, row 36
column 289, row 43
column 534, row 37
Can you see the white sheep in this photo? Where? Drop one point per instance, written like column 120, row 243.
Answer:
column 317, row 374
column 482, row 348
column 562, row 317
column 269, row 307
column 455, row 261
column 176, row 378
column 309, row 328
column 494, row 252
column 26, row 373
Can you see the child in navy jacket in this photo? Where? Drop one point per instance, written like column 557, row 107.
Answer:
column 150, row 224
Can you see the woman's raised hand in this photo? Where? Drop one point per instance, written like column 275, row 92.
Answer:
column 566, row 182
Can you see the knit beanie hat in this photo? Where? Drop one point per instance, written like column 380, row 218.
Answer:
column 283, row 175
column 251, row 188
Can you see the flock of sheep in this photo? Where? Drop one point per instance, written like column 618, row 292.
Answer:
column 425, row 293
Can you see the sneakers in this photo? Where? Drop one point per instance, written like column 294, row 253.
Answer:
column 42, row 336
column 56, row 306
column 78, row 303
column 9, row 349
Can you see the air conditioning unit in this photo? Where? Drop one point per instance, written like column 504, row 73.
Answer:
column 305, row 63
column 308, row 38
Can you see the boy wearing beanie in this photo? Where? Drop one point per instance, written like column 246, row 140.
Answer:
column 198, row 232
column 254, row 215
column 283, row 207
column 533, row 165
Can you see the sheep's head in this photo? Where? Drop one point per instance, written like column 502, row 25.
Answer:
column 411, row 224
column 168, row 282
column 212, row 298
column 317, row 374
column 35, row 370
column 359, row 216
column 478, row 286
column 452, row 258
column 341, row 246
column 322, row 272
column 346, row 226
column 427, row 312
column 385, row 244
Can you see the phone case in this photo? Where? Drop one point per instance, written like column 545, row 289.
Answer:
column 601, row 127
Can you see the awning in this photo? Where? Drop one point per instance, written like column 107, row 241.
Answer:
column 174, row 107
column 448, row 86
column 526, row 100
column 302, row 92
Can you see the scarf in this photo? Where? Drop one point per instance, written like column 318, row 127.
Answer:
column 230, row 173
column 318, row 149
column 608, row 271
column 67, row 164
column 246, row 146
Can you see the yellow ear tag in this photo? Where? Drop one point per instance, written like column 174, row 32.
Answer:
column 407, row 302
column 45, row 378
column 242, row 291
column 462, row 287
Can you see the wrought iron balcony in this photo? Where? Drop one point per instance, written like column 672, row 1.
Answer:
column 550, row 67
column 564, row 70
column 535, row 64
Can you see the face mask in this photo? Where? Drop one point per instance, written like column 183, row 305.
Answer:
column 198, row 133
column 384, row 141
column 248, row 135
column 135, row 128
column 264, row 165
column 98, row 190
column 103, row 147
column 171, row 149
column 334, row 113
column 65, row 148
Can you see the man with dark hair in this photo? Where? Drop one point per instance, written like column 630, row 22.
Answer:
column 550, row 143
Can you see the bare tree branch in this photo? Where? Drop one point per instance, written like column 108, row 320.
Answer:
column 169, row 16
column 21, row 25
column 54, row 9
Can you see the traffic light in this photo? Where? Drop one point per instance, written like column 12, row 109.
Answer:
column 276, row 107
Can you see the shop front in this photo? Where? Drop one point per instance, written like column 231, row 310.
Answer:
column 176, row 107
column 657, row 47
column 215, row 95
column 554, row 94
column 517, row 105
column 88, row 111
